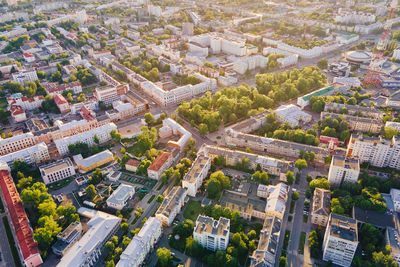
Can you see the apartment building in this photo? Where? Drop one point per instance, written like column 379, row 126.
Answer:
column 31, row 155
column 212, row 234
column 171, row 205
column 321, row 206
column 340, row 240
column 292, row 115
column 395, row 125
column 57, row 171
column 16, row 143
column 342, row 170
column 265, row 254
column 177, row 95
column 141, row 244
column 250, row 63
column 350, row 17
column 94, row 161
column 102, row 133
column 276, row 200
column 62, row 103
column 162, row 162
column 17, row 113
column 88, row 250
column 120, row 197
column 21, row 230
column 25, row 76
column 395, row 194
column 377, row 151
column 232, row 157
column 194, row 178
column 273, row 146
column 55, row 88
column 354, row 110
column 67, row 238
column 26, row 103
column 289, row 59
column 171, row 127
column 108, row 94
column 221, row 43
column 360, row 124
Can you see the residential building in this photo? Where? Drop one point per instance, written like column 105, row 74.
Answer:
column 94, row 161
column 288, row 60
column 17, row 113
column 343, row 170
column 16, row 143
column 221, row 43
column 88, row 250
column 31, row 155
column 377, row 151
column 21, row 230
column 171, row 205
column 194, row 178
column 212, row 234
column 187, row 28
column 25, row 76
column 131, row 165
column 171, row 127
column 395, row 125
column 265, row 254
column 395, row 194
column 62, row 103
column 273, row 146
column 250, row 63
column 276, row 200
column 57, row 171
column 162, row 162
column 26, row 103
column 232, row 157
column 356, row 123
column 340, row 240
column 87, row 137
column 142, row 243
column 321, row 207
column 108, row 94
column 354, row 110
column 120, row 197
column 55, row 88
column 292, row 115
column 67, row 238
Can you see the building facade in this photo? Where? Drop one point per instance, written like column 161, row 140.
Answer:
column 321, row 206
column 342, row 170
column 194, row 178
column 212, row 234
column 171, row 205
column 57, row 171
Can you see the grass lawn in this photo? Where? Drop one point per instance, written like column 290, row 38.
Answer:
column 192, row 210
column 302, row 242
column 136, row 150
column 60, row 184
column 286, row 240
column 292, row 203
column 151, row 199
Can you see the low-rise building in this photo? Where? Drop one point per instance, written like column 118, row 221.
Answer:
column 31, row 155
column 340, row 240
column 57, row 171
column 356, row 123
column 212, row 234
column 142, row 243
column 171, row 127
column 62, row 103
column 321, row 207
column 171, row 205
column 303, row 101
column 55, row 88
column 354, row 110
column 67, row 238
column 292, row 115
column 120, row 197
column 343, row 170
column 395, row 194
column 131, row 165
column 16, row 143
column 88, row 250
column 162, row 162
column 194, row 178
column 94, row 161
column 25, row 76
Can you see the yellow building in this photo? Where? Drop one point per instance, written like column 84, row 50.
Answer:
column 93, row 162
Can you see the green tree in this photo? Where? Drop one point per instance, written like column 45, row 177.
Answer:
column 91, row 191
column 126, row 241
column 97, row 176
column 323, row 64
column 116, row 136
column 301, row 164
column 295, row 196
column 164, row 256
column 160, row 199
column 203, row 129
column 390, row 132
column 283, row 261
column 110, row 263
column 320, row 183
column 148, row 117
column 125, row 228
column 290, row 177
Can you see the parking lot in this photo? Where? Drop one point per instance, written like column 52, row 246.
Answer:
column 136, row 179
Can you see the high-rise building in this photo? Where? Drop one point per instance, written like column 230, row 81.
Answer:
column 212, row 234
column 342, row 170
column 340, row 240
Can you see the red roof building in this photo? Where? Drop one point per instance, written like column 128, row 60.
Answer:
column 26, row 244
column 332, row 142
column 62, row 103
column 159, row 165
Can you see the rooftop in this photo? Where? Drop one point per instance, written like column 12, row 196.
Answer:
column 195, row 170
column 121, row 194
column 56, row 166
column 318, row 92
column 171, row 200
column 321, row 204
column 159, row 161
column 377, row 219
column 208, row 225
column 87, row 162
column 347, row 163
column 343, row 227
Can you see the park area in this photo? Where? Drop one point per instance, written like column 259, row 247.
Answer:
column 192, row 210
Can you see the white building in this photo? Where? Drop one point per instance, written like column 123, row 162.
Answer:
column 102, row 133
column 119, row 198
column 340, row 240
column 321, row 207
column 396, row 54
column 94, row 161
column 34, row 154
column 162, row 162
column 351, row 17
column 212, row 234
column 88, row 250
column 250, row 63
column 395, row 125
column 350, row 81
column 57, row 171
column 220, row 43
column 141, row 244
column 26, row 103
column 290, row 59
column 377, row 151
column 15, row 143
column 292, row 114
column 171, row 205
column 25, row 76
column 395, row 194
column 342, row 170
column 194, row 178
column 171, row 127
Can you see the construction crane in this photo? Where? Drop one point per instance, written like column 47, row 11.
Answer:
column 374, row 68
